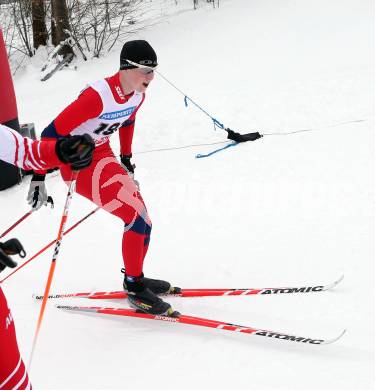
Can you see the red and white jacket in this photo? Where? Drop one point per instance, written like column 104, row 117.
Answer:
column 100, row 110
column 26, row 153
column 13, row 374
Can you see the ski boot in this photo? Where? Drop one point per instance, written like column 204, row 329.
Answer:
column 142, row 295
column 159, row 287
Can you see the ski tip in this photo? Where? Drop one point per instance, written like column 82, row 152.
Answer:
column 333, row 340
column 335, row 283
column 79, row 309
column 340, row 279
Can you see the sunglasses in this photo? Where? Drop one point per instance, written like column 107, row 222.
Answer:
column 144, row 69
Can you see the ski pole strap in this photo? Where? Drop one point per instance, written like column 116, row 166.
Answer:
column 217, row 124
column 216, row 151
column 215, row 121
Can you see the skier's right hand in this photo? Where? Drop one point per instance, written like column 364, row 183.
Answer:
column 37, row 195
column 76, row 150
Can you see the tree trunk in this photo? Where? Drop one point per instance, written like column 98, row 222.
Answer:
column 53, row 25
column 60, row 21
column 40, row 35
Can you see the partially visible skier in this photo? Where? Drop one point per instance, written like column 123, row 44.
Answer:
column 13, row 374
column 75, row 152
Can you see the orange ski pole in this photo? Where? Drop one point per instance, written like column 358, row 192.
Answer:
column 53, row 262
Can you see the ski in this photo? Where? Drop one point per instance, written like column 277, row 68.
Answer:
column 203, row 292
column 176, row 317
column 60, row 63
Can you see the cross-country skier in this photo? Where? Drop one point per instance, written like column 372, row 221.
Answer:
column 75, row 152
column 103, row 108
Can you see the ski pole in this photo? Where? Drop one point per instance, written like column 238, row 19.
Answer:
column 17, row 223
column 54, row 259
column 50, row 200
column 50, row 244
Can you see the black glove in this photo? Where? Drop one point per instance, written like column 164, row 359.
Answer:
column 127, row 164
column 76, row 150
column 9, row 248
column 242, row 137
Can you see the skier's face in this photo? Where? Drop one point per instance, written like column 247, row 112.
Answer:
column 137, row 80
column 143, row 79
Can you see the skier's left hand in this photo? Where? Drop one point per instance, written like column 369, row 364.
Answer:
column 7, row 249
column 127, row 164
column 129, row 167
column 37, row 195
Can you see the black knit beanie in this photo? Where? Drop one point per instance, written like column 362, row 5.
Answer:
column 138, row 51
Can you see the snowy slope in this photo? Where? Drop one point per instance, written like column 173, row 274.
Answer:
column 287, row 209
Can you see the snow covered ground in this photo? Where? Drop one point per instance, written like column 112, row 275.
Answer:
column 285, row 210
